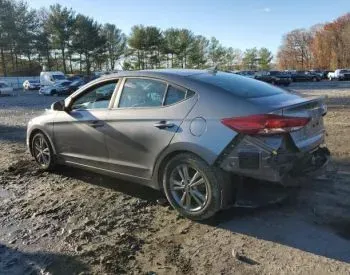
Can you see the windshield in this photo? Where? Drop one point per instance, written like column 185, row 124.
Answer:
column 238, row 85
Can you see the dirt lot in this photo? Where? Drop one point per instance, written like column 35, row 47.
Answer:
column 75, row 222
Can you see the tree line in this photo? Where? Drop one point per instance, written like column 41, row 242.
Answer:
column 324, row 46
column 62, row 39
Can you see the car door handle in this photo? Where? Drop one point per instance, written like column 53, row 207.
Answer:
column 163, row 124
column 96, row 124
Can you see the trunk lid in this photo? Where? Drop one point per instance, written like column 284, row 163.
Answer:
column 286, row 104
column 312, row 135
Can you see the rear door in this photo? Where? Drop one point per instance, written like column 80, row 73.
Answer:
column 146, row 115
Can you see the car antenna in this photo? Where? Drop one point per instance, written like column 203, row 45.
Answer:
column 213, row 69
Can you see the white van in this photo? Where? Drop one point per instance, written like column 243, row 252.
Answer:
column 51, row 78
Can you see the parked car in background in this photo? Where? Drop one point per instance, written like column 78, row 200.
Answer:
column 31, row 85
column 51, row 78
column 340, row 74
column 60, row 89
column 75, row 77
column 325, row 74
column 304, row 76
column 274, row 77
column 320, row 73
column 6, row 89
column 76, row 84
column 188, row 133
column 250, row 74
column 330, row 75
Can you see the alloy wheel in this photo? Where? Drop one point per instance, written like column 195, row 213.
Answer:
column 41, row 151
column 189, row 188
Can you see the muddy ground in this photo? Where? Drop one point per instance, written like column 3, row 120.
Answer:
column 75, row 222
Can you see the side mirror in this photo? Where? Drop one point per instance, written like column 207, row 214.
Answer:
column 58, row 106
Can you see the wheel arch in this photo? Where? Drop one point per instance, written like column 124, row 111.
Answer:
column 36, row 131
column 176, row 149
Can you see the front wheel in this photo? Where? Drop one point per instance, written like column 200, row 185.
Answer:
column 42, row 151
column 192, row 187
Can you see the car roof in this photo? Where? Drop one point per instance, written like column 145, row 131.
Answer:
column 157, row 73
column 177, row 76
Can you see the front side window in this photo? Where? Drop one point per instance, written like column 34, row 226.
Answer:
column 98, row 97
column 139, row 92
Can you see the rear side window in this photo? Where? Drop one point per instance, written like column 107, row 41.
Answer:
column 139, row 92
column 238, row 85
column 174, row 95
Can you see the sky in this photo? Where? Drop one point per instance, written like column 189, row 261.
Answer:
column 235, row 23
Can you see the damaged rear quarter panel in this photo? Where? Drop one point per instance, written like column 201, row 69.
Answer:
column 263, row 148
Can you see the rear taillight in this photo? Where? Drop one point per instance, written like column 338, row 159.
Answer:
column 266, row 124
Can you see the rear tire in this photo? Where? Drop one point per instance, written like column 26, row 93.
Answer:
column 42, row 152
column 192, row 187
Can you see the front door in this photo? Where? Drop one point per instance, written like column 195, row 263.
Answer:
column 79, row 132
column 145, row 117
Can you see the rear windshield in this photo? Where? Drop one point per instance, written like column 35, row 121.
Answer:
column 238, row 85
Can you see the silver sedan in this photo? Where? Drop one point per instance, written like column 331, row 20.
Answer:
column 189, row 133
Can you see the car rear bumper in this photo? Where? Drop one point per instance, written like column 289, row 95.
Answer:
column 250, row 157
